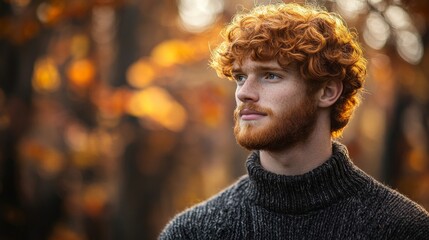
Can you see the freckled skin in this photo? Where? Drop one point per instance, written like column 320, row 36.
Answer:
column 278, row 94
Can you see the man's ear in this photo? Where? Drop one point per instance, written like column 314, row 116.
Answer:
column 330, row 93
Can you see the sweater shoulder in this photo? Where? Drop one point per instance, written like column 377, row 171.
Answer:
column 208, row 218
column 396, row 214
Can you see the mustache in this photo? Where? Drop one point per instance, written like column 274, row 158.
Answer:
column 251, row 107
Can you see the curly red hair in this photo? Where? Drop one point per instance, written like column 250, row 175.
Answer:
column 317, row 42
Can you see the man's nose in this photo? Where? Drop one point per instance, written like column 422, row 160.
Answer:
column 248, row 91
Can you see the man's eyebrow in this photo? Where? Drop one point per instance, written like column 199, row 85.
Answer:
column 236, row 69
column 269, row 68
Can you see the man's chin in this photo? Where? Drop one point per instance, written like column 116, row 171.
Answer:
column 251, row 139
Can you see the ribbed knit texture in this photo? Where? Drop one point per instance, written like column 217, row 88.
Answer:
column 334, row 201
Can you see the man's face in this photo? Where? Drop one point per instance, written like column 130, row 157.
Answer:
column 273, row 110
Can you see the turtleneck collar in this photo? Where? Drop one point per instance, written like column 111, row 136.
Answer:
column 334, row 180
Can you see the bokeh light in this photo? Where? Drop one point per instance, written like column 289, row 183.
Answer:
column 198, row 15
column 94, row 200
column 156, row 104
column 351, row 8
column 81, row 72
column 46, row 77
column 376, row 31
column 172, row 52
column 141, row 73
column 409, row 46
column 397, row 17
column 50, row 13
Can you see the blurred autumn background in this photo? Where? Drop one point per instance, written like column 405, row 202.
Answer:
column 111, row 120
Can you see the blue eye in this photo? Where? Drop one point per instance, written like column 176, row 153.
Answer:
column 239, row 78
column 271, row 76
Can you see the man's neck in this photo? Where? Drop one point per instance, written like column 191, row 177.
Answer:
column 300, row 158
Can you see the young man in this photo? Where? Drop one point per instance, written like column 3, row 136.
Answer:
column 299, row 73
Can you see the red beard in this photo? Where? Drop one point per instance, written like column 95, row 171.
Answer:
column 285, row 130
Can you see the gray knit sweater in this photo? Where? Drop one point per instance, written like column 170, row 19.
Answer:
column 334, row 201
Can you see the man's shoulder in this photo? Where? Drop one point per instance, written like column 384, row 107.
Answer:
column 209, row 215
column 390, row 199
column 393, row 210
column 225, row 199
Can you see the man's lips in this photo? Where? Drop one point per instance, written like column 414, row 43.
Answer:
column 248, row 114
